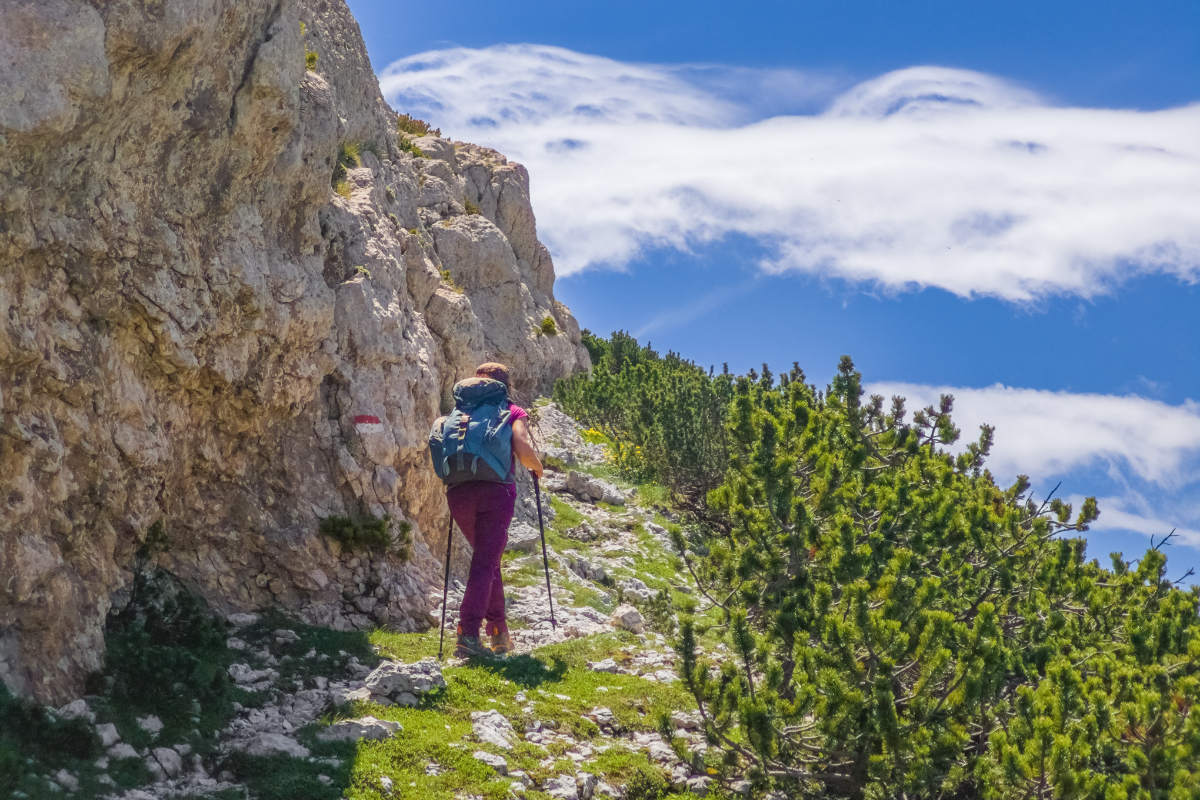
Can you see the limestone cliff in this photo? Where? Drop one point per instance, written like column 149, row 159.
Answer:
column 193, row 318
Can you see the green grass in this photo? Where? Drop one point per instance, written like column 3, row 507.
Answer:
column 181, row 656
column 165, row 656
column 653, row 495
column 33, row 743
column 286, row 778
column 565, row 517
column 294, row 662
column 547, row 676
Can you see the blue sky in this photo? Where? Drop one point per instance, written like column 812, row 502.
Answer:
column 997, row 200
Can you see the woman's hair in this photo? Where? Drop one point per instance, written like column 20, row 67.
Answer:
column 493, row 370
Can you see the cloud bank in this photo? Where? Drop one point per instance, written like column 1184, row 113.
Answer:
column 925, row 177
column 1148, row 450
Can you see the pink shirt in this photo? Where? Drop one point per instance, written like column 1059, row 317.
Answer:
column 517, row 413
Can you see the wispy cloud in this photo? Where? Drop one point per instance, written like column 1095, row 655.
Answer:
column 1043, row 434
column 1146, row 451
column 921, row 177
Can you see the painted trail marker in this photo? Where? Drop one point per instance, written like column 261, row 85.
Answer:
column 367, row 423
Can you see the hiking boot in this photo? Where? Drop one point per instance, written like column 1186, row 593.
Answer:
column 502, row 644
column 468, row 646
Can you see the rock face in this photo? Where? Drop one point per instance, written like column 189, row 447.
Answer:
column 198, row 333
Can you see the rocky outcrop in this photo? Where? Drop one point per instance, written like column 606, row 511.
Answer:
column 198, row 333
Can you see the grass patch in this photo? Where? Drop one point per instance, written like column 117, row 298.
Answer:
column 349, row 157
column 654, row 495
column 565, row 517
column 286, row 778
column 294, row 661
column 587, row 596
column 407, row 647
column 32, row 743
column 310, row 57
column 471, row 206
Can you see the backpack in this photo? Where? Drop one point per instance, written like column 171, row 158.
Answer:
column 474, row 442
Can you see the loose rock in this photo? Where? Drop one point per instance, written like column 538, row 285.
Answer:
column 629, row 618
column 492, row 728
column 393, row 678
column 270, row 744
column 351, row 730
column 498, row 763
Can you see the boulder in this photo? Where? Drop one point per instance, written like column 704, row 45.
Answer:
column 586, row 782
column 628, row 618
column 637, row 588
column 351, row 730
column 150, row 724
column 498, row 763
column 120, row 751
column 66, row 780
column 170, row 761
column 271, row 744
column 492, row 728
column 108, row 734
column 76, row 709
column 562, row 787
column 587, row 487
column 686, row 720
column 524, row 538
column 394, row 678
column 607, row 665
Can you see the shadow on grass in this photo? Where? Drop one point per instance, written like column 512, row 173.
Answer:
column 525, row 670
column 285, row 778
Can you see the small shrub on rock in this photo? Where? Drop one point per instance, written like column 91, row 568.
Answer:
column 549, row 327
column 407, row 146
column 368, row 533
column 449, row 279
column 348, row 158
column 415, row 127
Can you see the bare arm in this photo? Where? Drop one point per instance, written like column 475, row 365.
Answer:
column 523, row 447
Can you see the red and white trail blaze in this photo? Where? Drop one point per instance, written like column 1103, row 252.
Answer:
column 367, row 423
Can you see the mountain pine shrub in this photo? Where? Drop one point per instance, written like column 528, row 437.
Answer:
column 415, row 127
column 658, row 413
column 898, row 624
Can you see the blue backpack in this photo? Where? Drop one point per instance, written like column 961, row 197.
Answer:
column 474, row 442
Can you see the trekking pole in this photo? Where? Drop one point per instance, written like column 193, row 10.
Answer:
column 537, row 490
column 446, row 588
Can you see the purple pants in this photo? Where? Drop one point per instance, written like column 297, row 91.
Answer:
column 483, row 510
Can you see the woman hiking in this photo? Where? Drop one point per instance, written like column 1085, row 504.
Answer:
column 483, row 503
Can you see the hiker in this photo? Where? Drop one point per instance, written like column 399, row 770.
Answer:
column 482, row 494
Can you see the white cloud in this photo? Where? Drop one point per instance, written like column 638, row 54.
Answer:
column 1115, row 515
column 921, row 177
column 1045, row 434
column 1145, row 451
